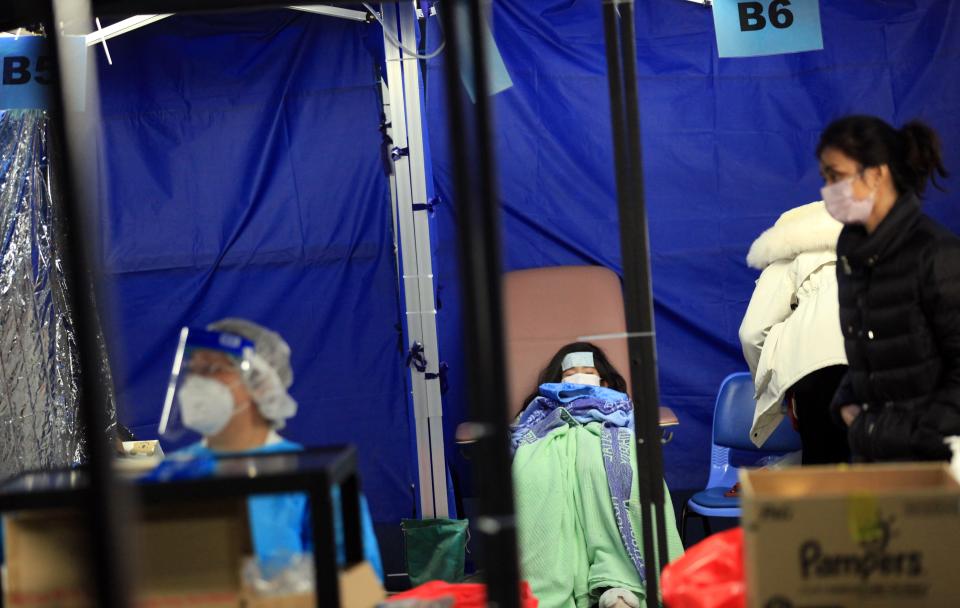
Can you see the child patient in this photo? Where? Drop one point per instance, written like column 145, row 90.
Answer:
column 579, row 524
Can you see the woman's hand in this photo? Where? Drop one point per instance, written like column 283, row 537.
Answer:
column 849, row 413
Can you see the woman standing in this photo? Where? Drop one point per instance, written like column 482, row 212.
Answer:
column 898, row 274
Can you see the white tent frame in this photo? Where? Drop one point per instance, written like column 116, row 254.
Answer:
column 402, row 105
column 410, row 188
column 137, row 21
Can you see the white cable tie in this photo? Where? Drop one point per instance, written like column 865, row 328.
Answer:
column 103, row 41
column 617, row 336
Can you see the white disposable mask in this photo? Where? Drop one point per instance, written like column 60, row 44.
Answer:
column 588, row 379
column 207, row 405
column 843, row 206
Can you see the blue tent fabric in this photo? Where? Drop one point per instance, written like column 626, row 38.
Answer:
column 241, row 176
column 728, row 145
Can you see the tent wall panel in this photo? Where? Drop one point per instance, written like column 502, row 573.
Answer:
column 728, row 146
column 241, row 175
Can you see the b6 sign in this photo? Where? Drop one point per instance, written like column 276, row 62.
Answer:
column 766, row 27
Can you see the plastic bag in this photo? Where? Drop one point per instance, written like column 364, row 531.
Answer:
column 709, row 575
column 435, row 549
column 463, row 595
column 298, row 576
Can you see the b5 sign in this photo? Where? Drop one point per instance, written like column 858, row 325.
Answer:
column 17, row 70
column 766, row 27
column 27, row 71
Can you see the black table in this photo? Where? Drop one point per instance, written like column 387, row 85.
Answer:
column 313, row 472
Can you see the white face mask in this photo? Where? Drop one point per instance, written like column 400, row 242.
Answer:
column 588, row 379
column 207, row 405
column 843, row 206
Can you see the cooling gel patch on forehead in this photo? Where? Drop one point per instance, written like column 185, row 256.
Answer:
column 581, row 359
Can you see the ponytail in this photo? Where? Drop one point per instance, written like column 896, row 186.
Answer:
column 912, row 153
column 922, row 160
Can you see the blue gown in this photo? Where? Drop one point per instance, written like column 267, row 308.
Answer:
column 280, row 523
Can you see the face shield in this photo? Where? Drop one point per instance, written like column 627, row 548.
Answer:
column 206, row 368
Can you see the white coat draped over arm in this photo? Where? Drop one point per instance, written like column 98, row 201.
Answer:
column 792, row 324
column 769, row 306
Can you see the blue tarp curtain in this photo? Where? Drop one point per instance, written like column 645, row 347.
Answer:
column 241, row 176
column 728, row 145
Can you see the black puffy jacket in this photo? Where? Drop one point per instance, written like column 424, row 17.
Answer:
column 900, row 316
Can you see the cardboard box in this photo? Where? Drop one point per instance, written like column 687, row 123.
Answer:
column 871, row 535
column 183, row 556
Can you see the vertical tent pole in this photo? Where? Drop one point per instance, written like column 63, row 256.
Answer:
column 643, row 283
column 638, row 298
column 478, row 232
column 409, row 170
column 107, row 504
column 421, row 227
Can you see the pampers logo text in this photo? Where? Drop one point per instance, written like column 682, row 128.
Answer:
column 873, row 560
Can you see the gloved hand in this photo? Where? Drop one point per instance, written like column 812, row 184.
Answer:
column 619, row 598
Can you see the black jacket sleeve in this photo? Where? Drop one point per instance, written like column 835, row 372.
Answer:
column 942, row 308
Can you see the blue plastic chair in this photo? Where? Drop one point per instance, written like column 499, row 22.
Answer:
column 732, row 419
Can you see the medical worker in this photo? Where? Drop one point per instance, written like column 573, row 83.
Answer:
column 898, row 273
column 790, row 333
column 579, row 527
column 238, row 405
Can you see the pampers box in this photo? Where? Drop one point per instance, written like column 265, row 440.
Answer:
column 865, row 535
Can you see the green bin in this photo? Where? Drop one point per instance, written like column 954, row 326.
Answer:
column 435, row 549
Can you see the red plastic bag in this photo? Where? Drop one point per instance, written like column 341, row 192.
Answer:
column 709, row 575
column 465, row 595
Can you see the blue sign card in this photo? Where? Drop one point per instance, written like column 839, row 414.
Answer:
column 766, row 27
column 498, row 79
column 26, row 72
column 26, row 65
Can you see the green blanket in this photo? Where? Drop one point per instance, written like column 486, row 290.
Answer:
column 570, row 546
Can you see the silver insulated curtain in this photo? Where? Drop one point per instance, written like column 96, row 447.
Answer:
column 39, row 426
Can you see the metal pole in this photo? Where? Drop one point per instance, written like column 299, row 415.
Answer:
column 638, row 301
column 639, row 290
column 108, row 504
column 421, row 233
column 478, row 233
column 409, row 171
column 352, row 527
column 401, row 165
column 325, row 569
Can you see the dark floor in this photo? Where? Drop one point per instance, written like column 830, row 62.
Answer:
column 391, row 540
